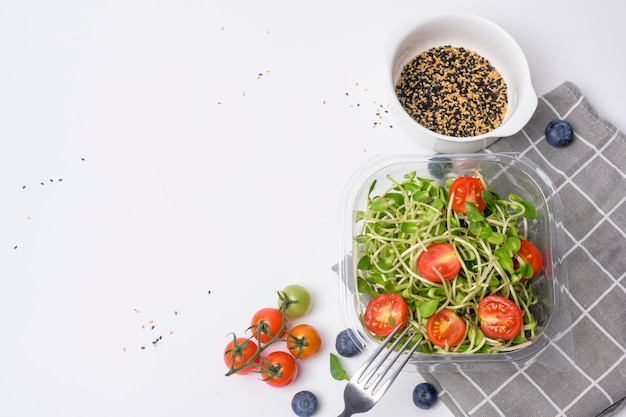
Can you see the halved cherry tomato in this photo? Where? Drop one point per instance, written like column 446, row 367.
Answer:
column 283, row 369
column 529, row 253
column 242, row 352
column 467, row 189
column 500, row 318
column 440, row 257
column 384, row 313
column 270, row 321
column 304, row 341
column 445, row 328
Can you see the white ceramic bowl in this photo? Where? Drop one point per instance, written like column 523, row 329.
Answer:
column 476, row 34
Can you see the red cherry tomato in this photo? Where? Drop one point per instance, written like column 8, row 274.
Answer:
column 284, row 369
column 500, row 318
column 467, row 189
column 440, row 257
column 445, row 328
column 304, row 341
column 271, row 320
column 242, row 352
column 384, row 313
column 529, row 253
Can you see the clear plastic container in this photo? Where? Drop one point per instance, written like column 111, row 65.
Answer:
column 506, row 173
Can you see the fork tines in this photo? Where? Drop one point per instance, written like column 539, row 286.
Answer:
column 368, row 377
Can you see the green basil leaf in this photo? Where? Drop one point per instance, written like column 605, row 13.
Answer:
column 336, row 371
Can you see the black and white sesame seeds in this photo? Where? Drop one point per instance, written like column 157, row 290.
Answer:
column 453, row 91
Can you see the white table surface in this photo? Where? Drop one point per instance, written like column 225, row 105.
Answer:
column 174, row 163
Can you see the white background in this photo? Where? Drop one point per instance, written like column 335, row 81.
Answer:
column 174, row 163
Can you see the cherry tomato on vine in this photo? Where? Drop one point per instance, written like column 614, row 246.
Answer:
column 384, row 313
column 299, row 300
column 500, row 318
column 467, row 189
column 269, row 322
column 531, row 254
column 445, row 328
column 440, row 257
column 283, row 369
column 238, row 354
column 304, row 341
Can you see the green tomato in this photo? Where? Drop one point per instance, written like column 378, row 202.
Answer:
column 299, row 300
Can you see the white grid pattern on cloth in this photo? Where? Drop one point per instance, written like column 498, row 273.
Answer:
column 529, row 148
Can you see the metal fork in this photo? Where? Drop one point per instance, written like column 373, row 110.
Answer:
column 367, row 385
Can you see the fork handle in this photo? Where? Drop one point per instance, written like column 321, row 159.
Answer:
column 345, row 413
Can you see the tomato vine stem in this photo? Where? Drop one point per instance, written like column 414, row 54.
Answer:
column 261, row 364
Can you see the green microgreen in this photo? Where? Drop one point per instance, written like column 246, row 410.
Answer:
column 414, row 212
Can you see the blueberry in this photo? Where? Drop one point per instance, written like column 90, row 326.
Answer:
column 345, row 344
column 424, row 395
column 559, row 133
column 304, row 404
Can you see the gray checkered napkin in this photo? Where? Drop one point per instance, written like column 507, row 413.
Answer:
column 589, row 175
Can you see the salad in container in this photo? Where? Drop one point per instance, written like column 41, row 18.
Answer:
column 461, row 248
